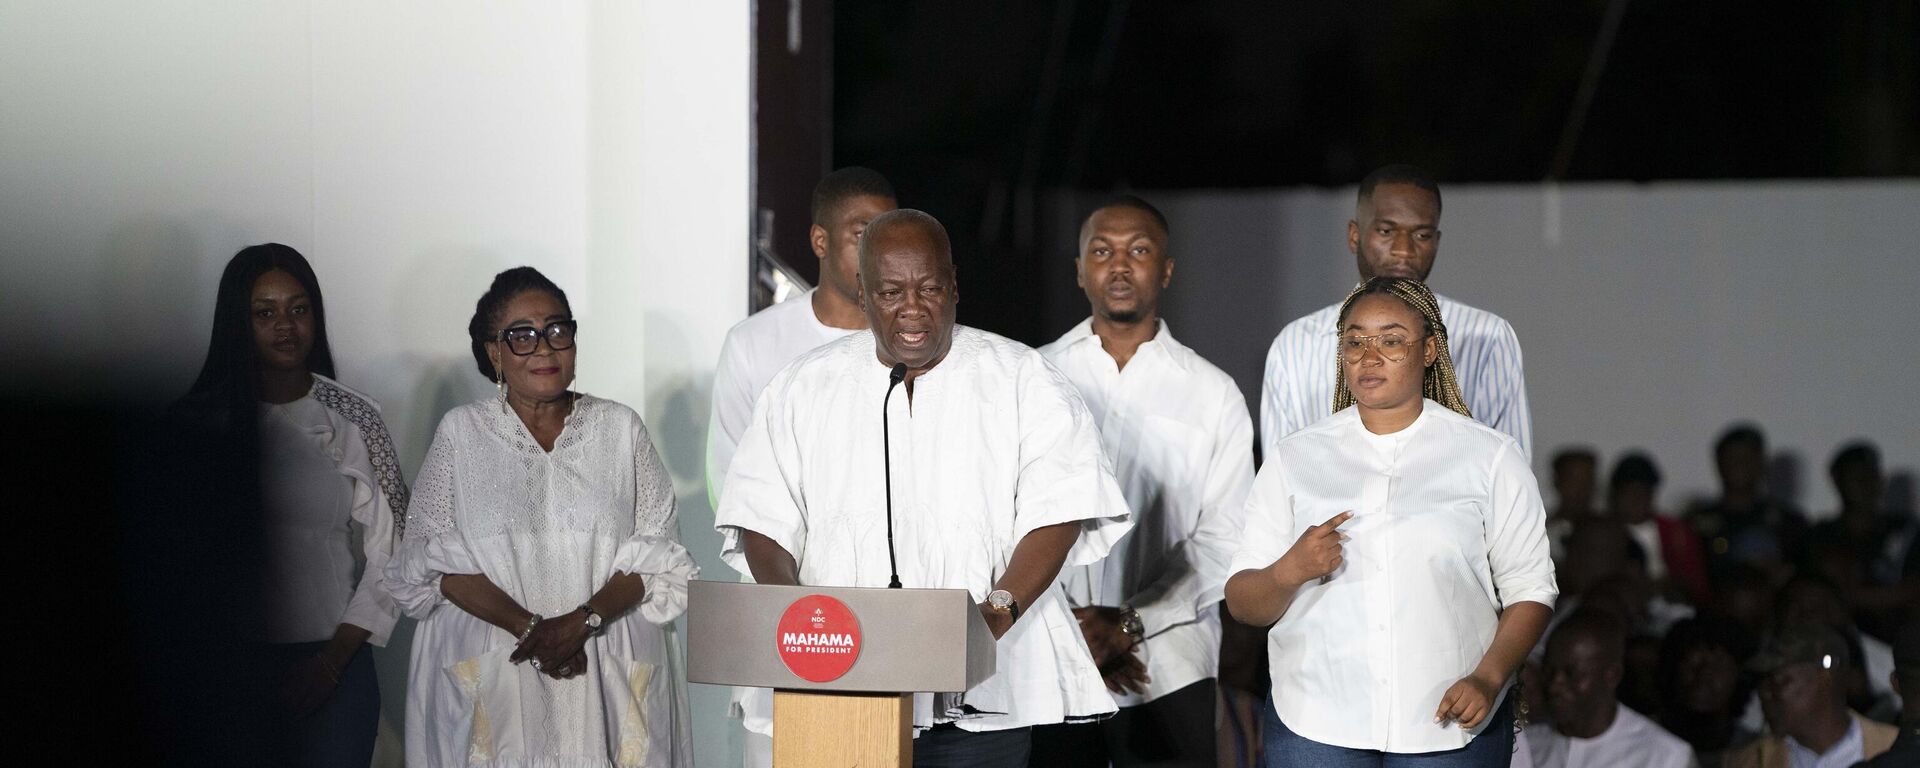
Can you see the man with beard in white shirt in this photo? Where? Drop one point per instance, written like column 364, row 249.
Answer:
column 996, row 481
column 1395, row 232
column 1177, row 430
column 844, row 201
column 1591, row 728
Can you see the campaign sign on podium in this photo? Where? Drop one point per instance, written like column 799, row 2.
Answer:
column 844, row 661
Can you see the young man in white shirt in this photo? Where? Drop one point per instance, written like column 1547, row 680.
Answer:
column 1591, row 728
column 995, row 480
column 1395, row 232
column 756, row 348
column 1181, row 442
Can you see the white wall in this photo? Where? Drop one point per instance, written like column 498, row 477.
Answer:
column 411, row 151
column 1651, row 315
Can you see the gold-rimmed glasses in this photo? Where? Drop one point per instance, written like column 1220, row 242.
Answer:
column 1392, row 346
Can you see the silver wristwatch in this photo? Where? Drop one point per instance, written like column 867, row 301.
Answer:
column 1003, row 601
column 594, row 620
column 1130, row 623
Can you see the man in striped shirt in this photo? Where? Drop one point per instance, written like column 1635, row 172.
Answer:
column 1395, row 232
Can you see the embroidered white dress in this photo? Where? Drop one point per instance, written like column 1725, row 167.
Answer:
column 549, row 529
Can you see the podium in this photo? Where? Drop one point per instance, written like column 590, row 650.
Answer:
column 844, row 662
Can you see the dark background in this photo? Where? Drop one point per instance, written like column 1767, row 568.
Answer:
column 986, row 114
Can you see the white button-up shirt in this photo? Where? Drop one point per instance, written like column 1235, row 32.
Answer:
column 1632, row 739
column 1181, row 442
column 994, row 444
column 1297, row 389
column 1447, row 530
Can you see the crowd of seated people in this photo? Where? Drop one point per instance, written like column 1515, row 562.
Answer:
column 1738, row 628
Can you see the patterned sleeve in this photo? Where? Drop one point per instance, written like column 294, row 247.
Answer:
column 365, row 414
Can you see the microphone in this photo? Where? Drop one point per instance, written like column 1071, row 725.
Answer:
column 886, row 446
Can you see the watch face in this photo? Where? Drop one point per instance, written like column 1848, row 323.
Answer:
column 1000, row 599
column 593, row 620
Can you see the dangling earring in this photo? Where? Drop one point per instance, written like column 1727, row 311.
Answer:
column 500, row 381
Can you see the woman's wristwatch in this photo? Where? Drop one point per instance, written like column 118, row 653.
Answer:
column 594, row 620
column 1004, row 602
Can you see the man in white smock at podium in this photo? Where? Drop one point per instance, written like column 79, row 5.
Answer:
column 997, row 481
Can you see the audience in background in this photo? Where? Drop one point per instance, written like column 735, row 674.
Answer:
column 1687, row 605
column 1674, row 556
column 1745, row 524
column 1703, row 691
column 1863, row 550
column 1809, row 600
column 1802, row 671
column 1590, row 727
column 1575, row 473
column 1906, row 679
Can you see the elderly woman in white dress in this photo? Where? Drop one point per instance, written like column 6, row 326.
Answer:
column 1401, row 548
column 541, row 557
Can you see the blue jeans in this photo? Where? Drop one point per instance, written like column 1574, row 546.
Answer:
column 1286, row 749
column 341, row 732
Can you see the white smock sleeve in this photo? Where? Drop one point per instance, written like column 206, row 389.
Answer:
column 1517, row 532
column 763, row 482
column 370, row 608
column 654, row 551
column 432, row 545
column 1065, row 476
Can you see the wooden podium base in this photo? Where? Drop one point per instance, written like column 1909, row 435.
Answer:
column 838, row 730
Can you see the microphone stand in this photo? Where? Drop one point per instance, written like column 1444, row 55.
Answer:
column 886, row 445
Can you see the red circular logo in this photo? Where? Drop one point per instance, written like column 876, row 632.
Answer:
column 818, row 638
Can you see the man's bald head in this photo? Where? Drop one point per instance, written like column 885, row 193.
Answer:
column 1584, row 664
column 1604, row 631
column 904, row 230
column 907, row 290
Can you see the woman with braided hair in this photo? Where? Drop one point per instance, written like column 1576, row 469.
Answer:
column 1399, row 550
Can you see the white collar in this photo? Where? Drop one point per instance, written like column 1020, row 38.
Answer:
column 1162, row 340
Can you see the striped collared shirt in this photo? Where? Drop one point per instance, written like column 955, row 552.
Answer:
column 1297, row 389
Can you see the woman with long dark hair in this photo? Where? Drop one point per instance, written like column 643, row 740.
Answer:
column 1399, row 549
column 329, row 493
